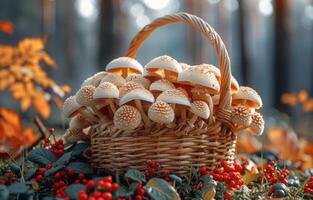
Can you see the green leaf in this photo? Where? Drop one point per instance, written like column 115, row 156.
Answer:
column 30, row 173
column 15, row 169
column 80, row 167
column 125, row 192
column 4, row 192
column 79, row 148
column 159, row 189
column 73, row 190
column 135, row 175
column 64, row 159
column 51, row 198
column 18, row 188
column 53, row 170
column 41, row 156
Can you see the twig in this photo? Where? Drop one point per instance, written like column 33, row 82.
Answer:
column 42, row 128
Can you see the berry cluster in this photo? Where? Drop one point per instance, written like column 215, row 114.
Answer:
column 98, row 190
column 152, row 167
column 9, row 178
column 228, row 174
column 57, row 147
column 273, row 174
column 308, row 188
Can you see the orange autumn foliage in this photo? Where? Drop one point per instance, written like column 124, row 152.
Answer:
column 6, row 27
column 22, row 75
column 301, row 97
column 13, row 136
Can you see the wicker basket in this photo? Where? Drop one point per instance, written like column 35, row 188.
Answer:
column 175, row 148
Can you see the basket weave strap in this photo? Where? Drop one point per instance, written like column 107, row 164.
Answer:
column 215, row 40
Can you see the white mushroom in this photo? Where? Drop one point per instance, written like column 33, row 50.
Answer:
column 248, row 97
column 127, row 118
column 79, row 122
column 199, row 109
column 129, row 86
column 106, row 93
column 241, row 117
column 96, row 78
column 138, row 78
column 161, row 112
column 117, row 80
column 257, row 124
column 160, row 86
column 124, row 66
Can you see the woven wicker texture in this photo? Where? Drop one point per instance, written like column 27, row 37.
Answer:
column 175, row 148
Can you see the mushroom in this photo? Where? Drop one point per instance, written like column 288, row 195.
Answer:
column 71, row 108
column 198, row 76
column 73, row 135
column 79, row 122
column 87, row 81
column 105, row 93
column 160, row 86
column 139, row 79
column 84, row 97
column 124, row 66
column 127, row 118
column 234, row 85
column 129, row 86
column 164, row 66
column 248, row 97
column 138, row 95
column 241, row 117
column 184, row 66
column 96, row 78
column 257, row 125
column 115, row 79
column 175, row 97
column 161, row 112
column 152, row 76
column 199, row 109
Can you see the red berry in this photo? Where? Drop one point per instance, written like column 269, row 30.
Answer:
column 140, row 191
column 51, row 130
column 138, row 197
column 96, row 194
column 228, row 195
column 58, row 176
column 10, row 175
column 42, row 171
column 108, row 179
column 224, row 163
column 115, row 187
column 90, row 184
column 48, row 166
column 2, row 181
column 271, row 163
column 107, row 186
column 81, row 176
column 203, row 170
column 92, row 198
column 238, row 168
column 71, row 172
column 107, row 196
column 39, row 178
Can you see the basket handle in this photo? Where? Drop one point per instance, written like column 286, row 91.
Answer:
column 223, row 111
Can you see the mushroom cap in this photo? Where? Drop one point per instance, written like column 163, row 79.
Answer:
column 247, row 97
column 234, row 84
column 174, row 96
column 213, row 69
column 201, row 109
column 96, row 78
column 106, row 90
column 129, row 86
column 87, row 81
column 152, row 75
column 127, row 118
column 114, row 78
column 131, row 64
column 84, row 95
column 257, row 124
column 137, row 94
column 161, row 85
column 70, row 106
column 200, row 76
column 161, row 112
column 164, row 62
column 139, row 79
column 79, row 122
column 241, row 116
column 184, row 66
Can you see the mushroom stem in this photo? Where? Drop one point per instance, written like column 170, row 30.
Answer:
column 193, row 119
column 183, row 114
column 111, row 104
column 102, row 117
column 142, row 112
column 88, row 115
column 124, row 72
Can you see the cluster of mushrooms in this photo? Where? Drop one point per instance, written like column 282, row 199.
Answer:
column 164, row 93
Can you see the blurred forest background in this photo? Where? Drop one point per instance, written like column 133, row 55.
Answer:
column 270, row 42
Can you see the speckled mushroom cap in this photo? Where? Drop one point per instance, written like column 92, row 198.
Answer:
column 129, row 86
column 116, row 66
column 137, row 94
column 201, row 109
column 213, row 69
column 200, row 76
column 139, row 79
column 84, row 95
column 174, row 96
column 248, row 97
column 161, row 112
column 70, row 106
column 79, row 122
column 106, row 90
column 87, row 81
column 127, row 118
column 241, row 116
column 114, row 78
column 163, row 62
column 257, row 124
column 184, row 66
column 96, row 78
column 161, row 85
